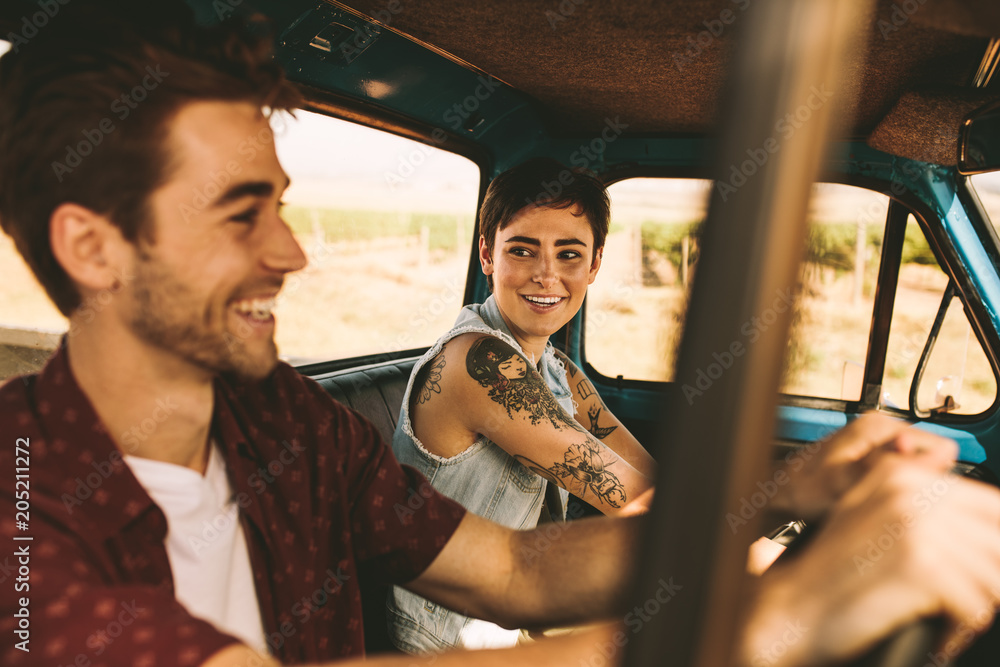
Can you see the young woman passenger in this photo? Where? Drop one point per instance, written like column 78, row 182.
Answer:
column 493, row 415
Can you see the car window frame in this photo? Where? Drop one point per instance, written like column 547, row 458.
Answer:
column 941, row 247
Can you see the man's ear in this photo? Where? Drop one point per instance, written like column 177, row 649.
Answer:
column 484, row 257
column 595, row 266
column 87, row 245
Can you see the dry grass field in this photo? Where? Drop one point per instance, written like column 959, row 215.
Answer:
column 378, row 295
column 634, row 331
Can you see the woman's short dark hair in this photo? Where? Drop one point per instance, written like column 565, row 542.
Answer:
column 85, row 106
column 544, row 182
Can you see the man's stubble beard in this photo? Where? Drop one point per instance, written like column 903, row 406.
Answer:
column 165, row 316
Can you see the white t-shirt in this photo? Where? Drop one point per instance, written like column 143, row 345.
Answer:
column 205, row 544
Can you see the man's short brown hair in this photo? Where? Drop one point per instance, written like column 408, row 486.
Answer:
column 544, row 182
column 85, row 106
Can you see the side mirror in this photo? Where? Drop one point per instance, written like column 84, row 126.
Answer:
column 979, row 141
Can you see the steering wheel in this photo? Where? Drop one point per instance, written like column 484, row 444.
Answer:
column 916, row 645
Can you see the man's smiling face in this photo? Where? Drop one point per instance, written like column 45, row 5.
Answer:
column 205, row 288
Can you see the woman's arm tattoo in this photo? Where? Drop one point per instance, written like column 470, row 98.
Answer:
column 584, row 468
column 431, row 378
column 515, row 384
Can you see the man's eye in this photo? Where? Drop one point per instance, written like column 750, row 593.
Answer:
column 571, row 254
column 247, row 216
column 520, row 252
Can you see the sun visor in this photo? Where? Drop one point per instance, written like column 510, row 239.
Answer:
column 924, row 125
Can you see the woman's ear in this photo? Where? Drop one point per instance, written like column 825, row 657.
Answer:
column 87, row 246
column 485, row 259
column 596, row 264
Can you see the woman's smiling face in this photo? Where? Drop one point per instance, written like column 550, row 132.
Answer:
column 542, row 263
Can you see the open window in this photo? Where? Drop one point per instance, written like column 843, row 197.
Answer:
column 636, row 308
column 385, row 221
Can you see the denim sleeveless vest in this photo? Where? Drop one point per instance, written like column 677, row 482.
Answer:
column 486, row 480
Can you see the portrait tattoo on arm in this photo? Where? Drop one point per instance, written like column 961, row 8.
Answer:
column 600, row 432
column 514, row 384
column 584, row 468
column 431, row 378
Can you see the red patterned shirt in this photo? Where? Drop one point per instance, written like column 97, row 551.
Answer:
column 320, row 496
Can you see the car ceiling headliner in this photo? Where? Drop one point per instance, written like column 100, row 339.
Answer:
column 635, row 58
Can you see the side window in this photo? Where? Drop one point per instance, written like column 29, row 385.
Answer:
column 955, row 375
column 640, row 298
column 832, row 317
column 386, row 223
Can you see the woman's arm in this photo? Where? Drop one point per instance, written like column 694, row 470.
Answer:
column 481, row 385
column 595, row 416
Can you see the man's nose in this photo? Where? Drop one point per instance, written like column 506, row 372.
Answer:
column 282, row 253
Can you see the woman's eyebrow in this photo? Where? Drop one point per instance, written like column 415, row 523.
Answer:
column 531, row 241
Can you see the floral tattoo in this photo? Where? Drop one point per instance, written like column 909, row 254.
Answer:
column 432, row 381
column 584, row 468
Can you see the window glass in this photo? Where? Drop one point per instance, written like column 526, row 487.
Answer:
column 639, row 300
column 832, row 317
column 386, row 223
column 636, row 306
column 987, row 186
column 956, row 366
